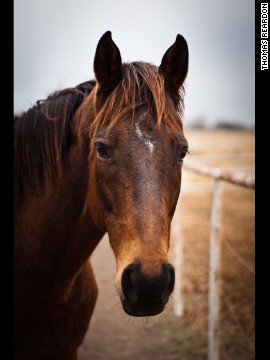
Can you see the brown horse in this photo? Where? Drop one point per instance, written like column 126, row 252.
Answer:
column 104, row 156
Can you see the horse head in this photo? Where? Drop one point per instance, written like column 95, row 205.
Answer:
column 137, row 150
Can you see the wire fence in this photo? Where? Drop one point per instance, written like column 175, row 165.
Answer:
column 215, row 243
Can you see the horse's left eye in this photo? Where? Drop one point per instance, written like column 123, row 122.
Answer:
column 103, row 150
column 182, row 153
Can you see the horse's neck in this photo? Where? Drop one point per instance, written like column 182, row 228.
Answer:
column 54, row 230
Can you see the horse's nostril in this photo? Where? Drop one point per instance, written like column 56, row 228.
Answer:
column 128, row 283
column 169, row 276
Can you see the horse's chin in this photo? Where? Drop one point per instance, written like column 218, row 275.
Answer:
column 142, row 310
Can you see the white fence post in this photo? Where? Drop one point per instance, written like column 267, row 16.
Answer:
column 214, row 274
column 237, row 178
column 178, row 304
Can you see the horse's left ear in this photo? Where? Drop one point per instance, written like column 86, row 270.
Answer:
column 174, row 64
column 107, row 63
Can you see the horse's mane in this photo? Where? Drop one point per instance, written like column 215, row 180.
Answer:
column 42, row 136
column 142, row 84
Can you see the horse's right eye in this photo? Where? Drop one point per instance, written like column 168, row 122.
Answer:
column 103, row 150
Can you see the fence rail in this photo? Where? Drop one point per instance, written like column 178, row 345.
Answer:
column 234, row 177
column 218, row 175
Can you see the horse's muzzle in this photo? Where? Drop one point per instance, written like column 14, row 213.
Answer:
column 145, row 295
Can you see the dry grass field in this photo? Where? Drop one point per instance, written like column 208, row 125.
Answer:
column 113, row 335
column 229, row 150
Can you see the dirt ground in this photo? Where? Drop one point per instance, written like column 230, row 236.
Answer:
column 114, row 335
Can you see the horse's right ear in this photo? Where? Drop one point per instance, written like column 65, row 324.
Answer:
column 107, row 63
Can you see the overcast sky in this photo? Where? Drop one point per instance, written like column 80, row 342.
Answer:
column 55, row 42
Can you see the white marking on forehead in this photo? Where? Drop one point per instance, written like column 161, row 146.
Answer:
column 144, row 138
column 149, row 144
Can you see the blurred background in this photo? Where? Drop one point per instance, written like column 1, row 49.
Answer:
column 54, row 47
column 55, row 42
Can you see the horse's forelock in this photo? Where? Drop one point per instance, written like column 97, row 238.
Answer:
column 142, row 84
